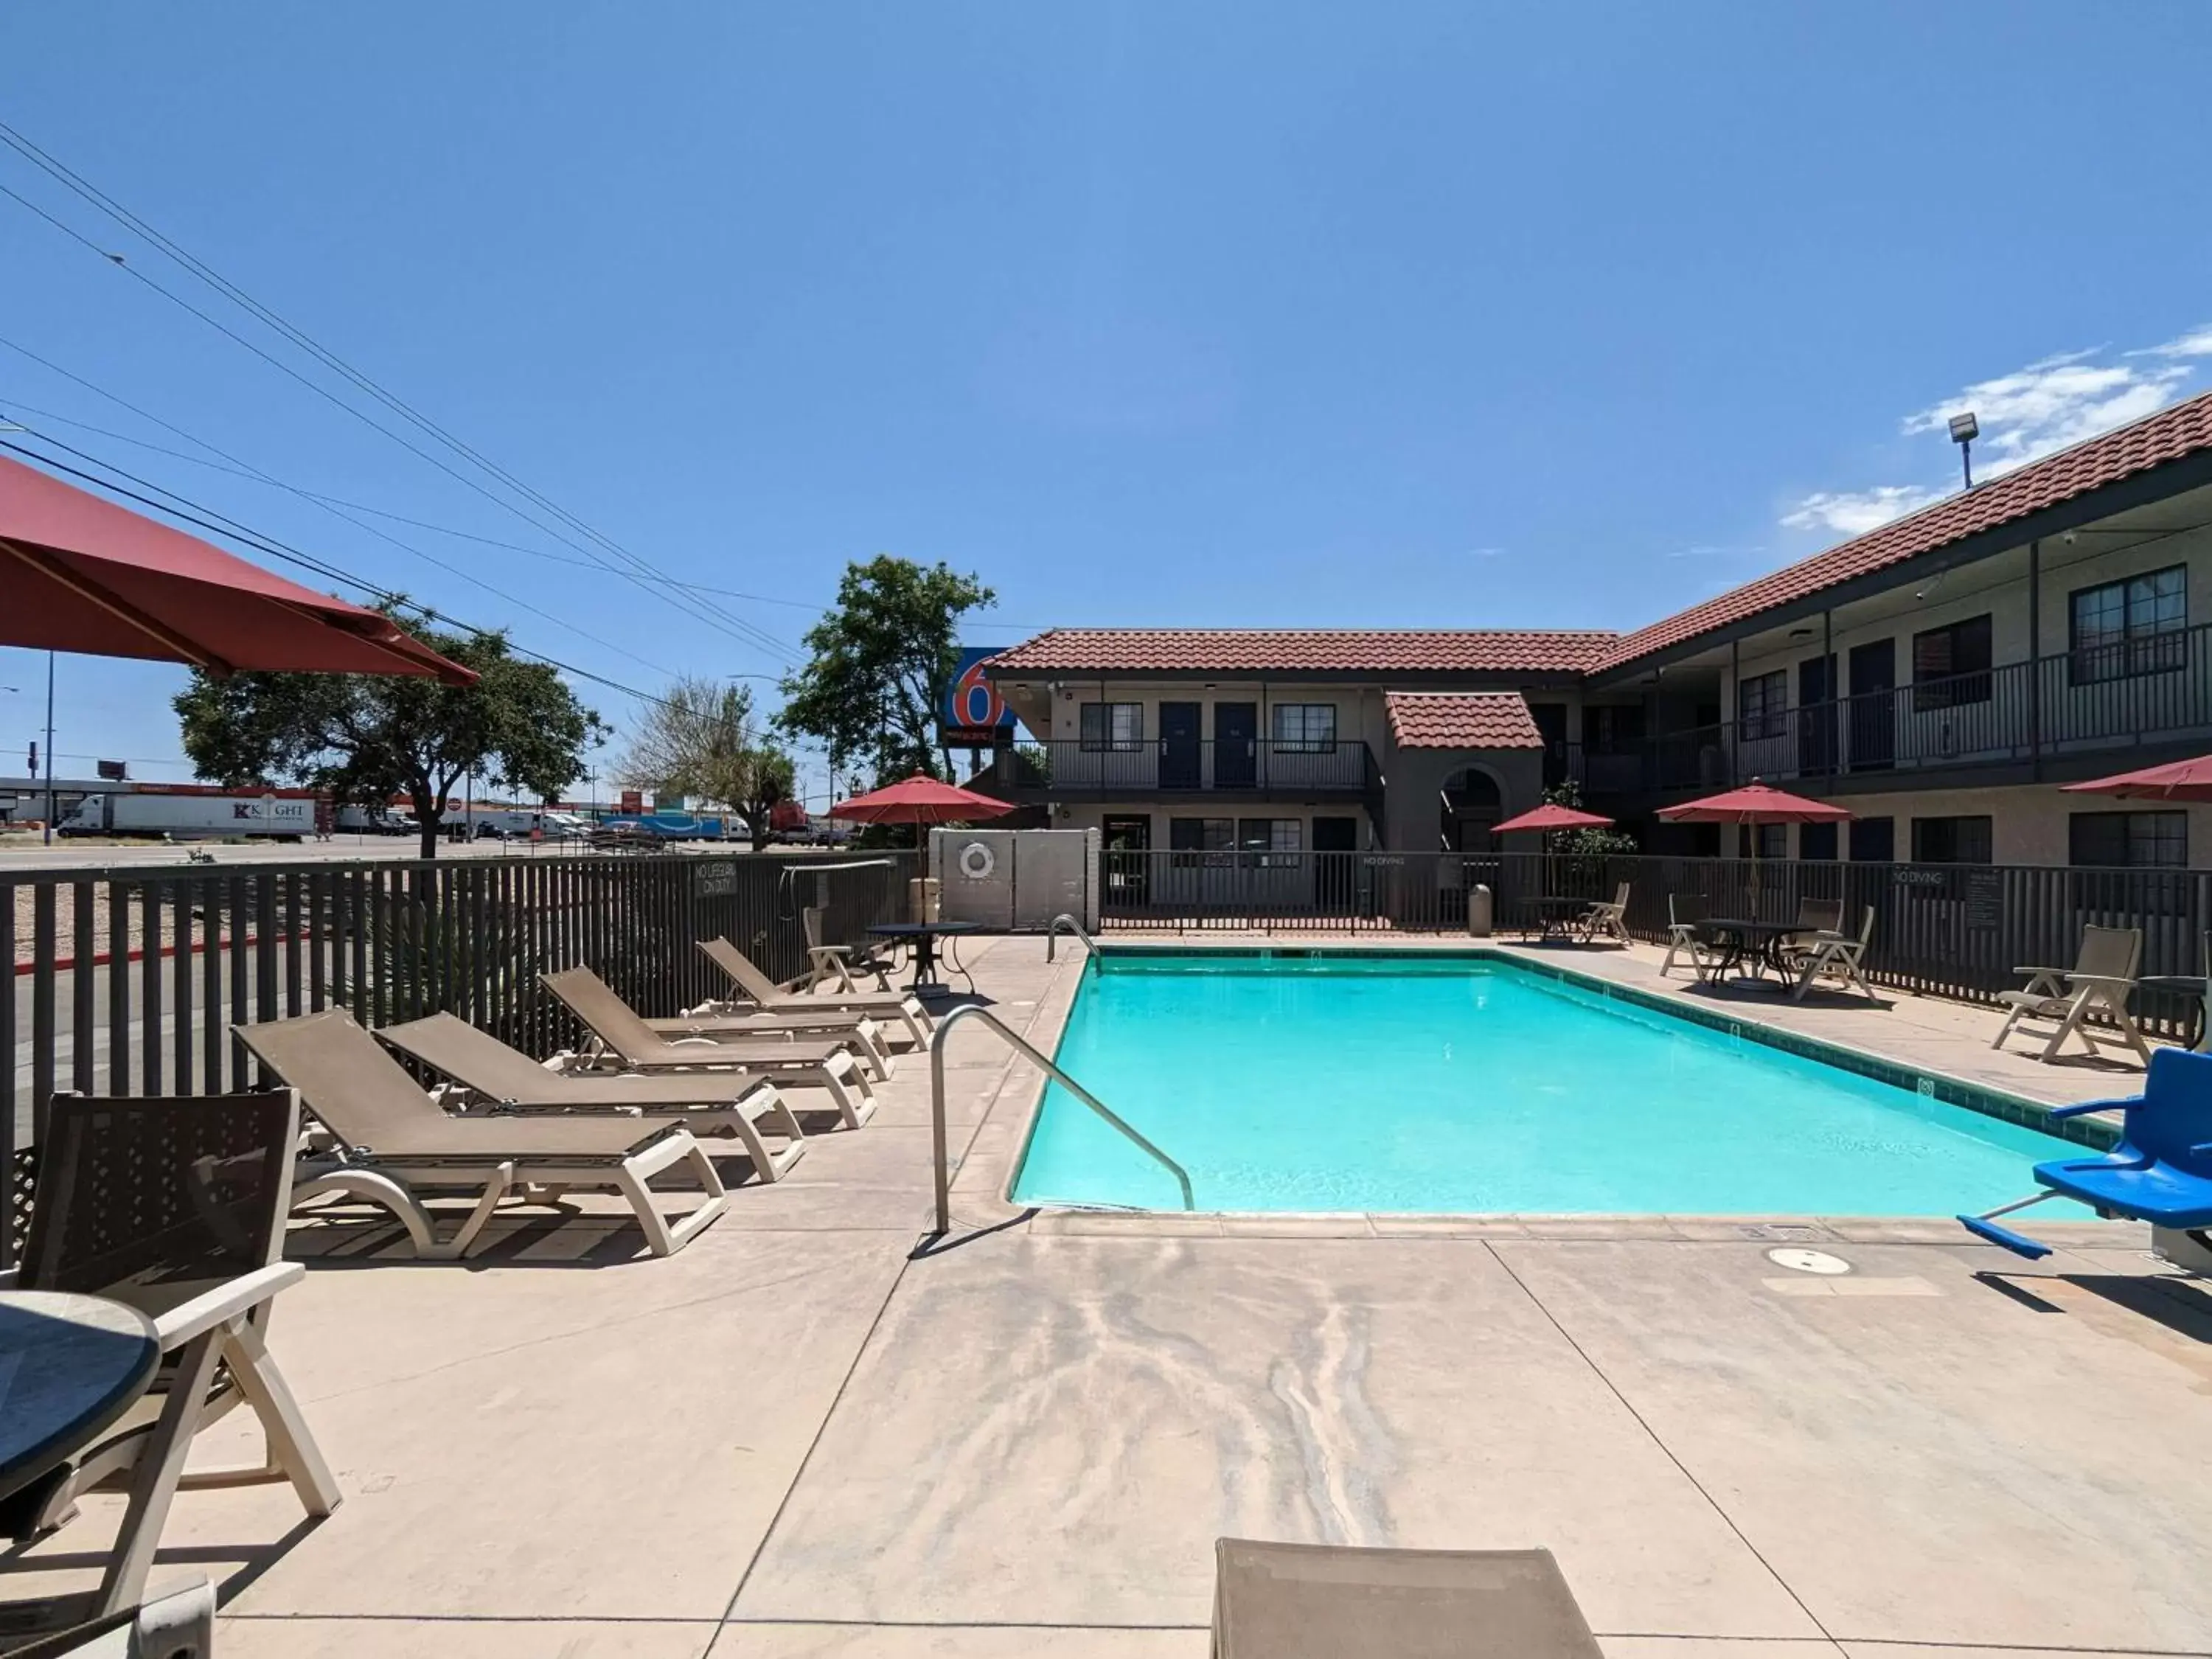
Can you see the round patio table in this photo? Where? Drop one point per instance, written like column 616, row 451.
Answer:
column 1757, row 944
column 1556, row 915
column 70, row 1366
column 924, row 935
column 2195, row 985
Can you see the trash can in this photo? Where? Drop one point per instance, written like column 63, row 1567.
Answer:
column 922, row 897
column 1478, row 911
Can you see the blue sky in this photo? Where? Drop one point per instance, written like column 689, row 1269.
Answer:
column 1425, row 314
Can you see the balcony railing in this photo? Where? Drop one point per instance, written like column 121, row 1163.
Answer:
column 1066, row 767
column 2153, row 689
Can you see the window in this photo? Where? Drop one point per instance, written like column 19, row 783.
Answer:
column 1761, row 703
column 2133, row 627
column 1270, row 843
column 1951, row 665
column 1873, row 841
column 2129, row 840
column 1190, row 841
column 1773, row 840
column 1816, row 841
column 1115, row 727
column 1613, row 729
column 1305, row 728
column 1951, row 841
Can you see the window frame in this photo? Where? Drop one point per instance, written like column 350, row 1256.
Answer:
column 2153, row 829
column 2153, row 645
column 1108, row 741
column 1282, row 851
column 1305, row 743
column 1209, row 853
column 1954, row 687
column 1771, row 717
column 1951, row 823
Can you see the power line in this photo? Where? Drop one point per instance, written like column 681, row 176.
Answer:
column 635, row 569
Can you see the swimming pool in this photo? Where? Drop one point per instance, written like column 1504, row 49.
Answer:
column 1467, row 1084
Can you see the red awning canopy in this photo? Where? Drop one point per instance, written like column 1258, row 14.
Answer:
column 1755, row 802
column 918, row 799
column 2189, row 779
column 79, row 574
column 1551, row 817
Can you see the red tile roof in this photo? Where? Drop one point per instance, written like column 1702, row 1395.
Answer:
column 2166, row 436
column 1291, row 651
column 1461, row 720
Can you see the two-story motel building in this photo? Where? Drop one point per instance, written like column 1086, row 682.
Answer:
column 1939, row 676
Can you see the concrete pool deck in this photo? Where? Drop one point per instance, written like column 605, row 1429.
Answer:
column 793, row 1439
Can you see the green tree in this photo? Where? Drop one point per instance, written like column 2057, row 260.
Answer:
column 702, row 738
column 1595, row 842
column 878, row 662
column 365, row 738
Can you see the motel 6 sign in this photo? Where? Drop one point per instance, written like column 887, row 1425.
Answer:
column 971, row 715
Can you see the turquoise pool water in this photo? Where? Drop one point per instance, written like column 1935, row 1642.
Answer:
column 1464, row 1085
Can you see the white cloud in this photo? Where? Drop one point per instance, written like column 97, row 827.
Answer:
column 1855, row 512
column 2198, row 343
column 1485, row 552
column 2049, row 406
column 1708, row 551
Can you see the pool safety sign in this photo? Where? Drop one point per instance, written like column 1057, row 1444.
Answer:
column 972, row 714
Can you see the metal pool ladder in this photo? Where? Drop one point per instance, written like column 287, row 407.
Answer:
column 1052, row 934
column 1022, row 1045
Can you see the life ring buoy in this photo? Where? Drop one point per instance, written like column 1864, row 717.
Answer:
column 977, row 861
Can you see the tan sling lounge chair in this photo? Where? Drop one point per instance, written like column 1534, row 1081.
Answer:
column 620, row 1034
column 2103, row 974
column 716, row 1020
column 1335, row 1601
column 755, row 989
column 394, row 1141
column 705, row 1103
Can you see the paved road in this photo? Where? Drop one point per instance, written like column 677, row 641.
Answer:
column 100, row 854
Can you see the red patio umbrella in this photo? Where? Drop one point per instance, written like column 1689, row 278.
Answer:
column 2189, row 779
column 1551, row 817
column 1755, row 802
column 917, row 801
column 79, row 574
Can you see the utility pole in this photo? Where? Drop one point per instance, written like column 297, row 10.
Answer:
column 49, row 839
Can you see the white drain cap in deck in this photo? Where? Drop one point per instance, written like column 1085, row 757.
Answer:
column 1808, row 1261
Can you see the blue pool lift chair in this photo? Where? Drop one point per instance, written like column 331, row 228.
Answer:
column 2160, row 1172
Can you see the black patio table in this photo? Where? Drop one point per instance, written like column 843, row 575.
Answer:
column 924, row 935
column 1556, row 915
column 2192, row 986
column 70, row 1366
column 1757, row 944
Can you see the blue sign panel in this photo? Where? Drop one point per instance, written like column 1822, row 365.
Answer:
column 971, row 714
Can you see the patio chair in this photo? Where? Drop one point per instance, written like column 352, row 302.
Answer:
column 2160, row 1172
column 1609, row 917
column 1686, row 913
column 1817, row 915
column 1331, row 1601
column 755, row 989
column 834, row 965
column 394, row 1141
column 1830, row 955
column 620, row 1034
column 705, row 1103
column 175, row 1207
column 2103, row 974
column 858, row 1032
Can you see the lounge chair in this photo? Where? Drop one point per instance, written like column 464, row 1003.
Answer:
column 756, row 990
column 1830, row 955
column 858, row 1032
column 393, row 1140
column 1333, row 1601
column 2160, row 1172
column 1686, row 913
column 2103, row 974
column 619, row 1033
column 175, row 1207
column 1610, row 919
column 705, row 1103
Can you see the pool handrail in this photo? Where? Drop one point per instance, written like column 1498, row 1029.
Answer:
column 1052, row 934
column 1024, row 1047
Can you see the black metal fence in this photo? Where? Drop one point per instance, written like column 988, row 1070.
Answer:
column 127, row 980
column 1955, row 930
